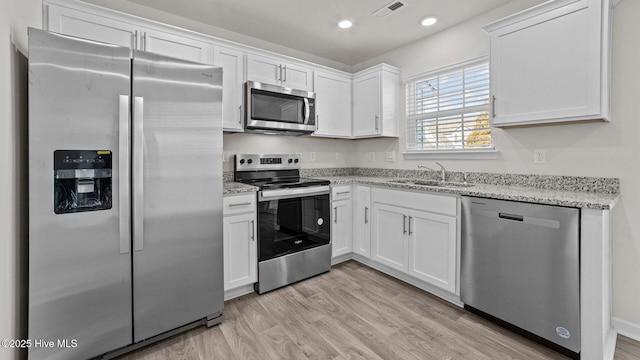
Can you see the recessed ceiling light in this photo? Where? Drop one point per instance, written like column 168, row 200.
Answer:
column 428, row 20
column 345, row 24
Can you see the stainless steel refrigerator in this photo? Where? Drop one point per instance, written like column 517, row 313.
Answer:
column 125, row 197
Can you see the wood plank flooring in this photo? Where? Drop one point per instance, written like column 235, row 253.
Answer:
column 352, row 312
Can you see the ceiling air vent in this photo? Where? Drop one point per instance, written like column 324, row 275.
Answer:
column 389, row 8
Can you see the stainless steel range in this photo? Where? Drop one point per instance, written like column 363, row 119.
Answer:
column 294, row 227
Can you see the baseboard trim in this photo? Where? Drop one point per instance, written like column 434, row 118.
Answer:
column 626, row 328
column 237, row 292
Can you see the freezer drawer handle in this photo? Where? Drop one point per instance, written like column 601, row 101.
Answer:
column 510, row 217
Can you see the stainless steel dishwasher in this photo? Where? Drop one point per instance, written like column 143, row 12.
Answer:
column 521, row 264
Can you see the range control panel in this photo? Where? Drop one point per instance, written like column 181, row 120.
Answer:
column 261, row 162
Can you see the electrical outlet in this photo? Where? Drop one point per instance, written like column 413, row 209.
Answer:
column 539, row 156
column 312, row 156
column 372, row 156
column 225, row 157
column 338, row 156
column 390, row 156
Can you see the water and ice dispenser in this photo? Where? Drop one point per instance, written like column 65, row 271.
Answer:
column 82, row 180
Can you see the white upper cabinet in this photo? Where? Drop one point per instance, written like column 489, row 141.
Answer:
column 333, row 104
column 92, row 24
column 278, row 72
column 550, row 64
column 95, row 23
column 375, row 101
column 232, row 63
column 173, row 45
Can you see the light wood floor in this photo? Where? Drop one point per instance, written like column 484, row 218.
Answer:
column 352, row 312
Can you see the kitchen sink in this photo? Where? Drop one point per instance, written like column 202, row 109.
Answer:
column 436, row 183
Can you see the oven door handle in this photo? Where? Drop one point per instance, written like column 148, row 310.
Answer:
column 268, row 195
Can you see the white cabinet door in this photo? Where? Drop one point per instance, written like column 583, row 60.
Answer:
column 176, row 46
column 276, row 72
column 550, row 65
column 333, row 104
column 341, row 228
column 232, row 63
column 297, row 77
column 362, row 222
column 240, row 251
column 433, row 249
column 389, row 236
column 93, row 26
column 366, row 105
column 263, row 69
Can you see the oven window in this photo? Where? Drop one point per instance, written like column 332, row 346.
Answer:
column 266, row 105
column 286, row 226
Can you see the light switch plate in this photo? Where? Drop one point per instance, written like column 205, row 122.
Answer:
column 312, row 156
column 539, row 156
column 390, row 156
column 372, row 156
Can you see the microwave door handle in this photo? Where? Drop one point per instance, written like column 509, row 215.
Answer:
column 306, row 111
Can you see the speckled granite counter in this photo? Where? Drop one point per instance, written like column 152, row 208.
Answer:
column 571, row 198
column 572, row 191
column 230, row 187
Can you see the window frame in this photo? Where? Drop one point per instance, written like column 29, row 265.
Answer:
column 464, row 153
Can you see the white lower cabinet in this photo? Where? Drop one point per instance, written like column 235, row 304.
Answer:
column 432, row 248
column 362, row 221
column 240, row 242
column 417, row 234
column 389, row 241
column 341, row 221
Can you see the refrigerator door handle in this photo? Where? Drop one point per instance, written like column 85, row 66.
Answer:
column 138, row 172
column 123, row 151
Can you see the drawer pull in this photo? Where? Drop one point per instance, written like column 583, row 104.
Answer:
column 240, row 204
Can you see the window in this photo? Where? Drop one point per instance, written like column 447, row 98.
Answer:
column 448, row 110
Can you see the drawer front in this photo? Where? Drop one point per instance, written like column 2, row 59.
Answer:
column 341, row 192
column 237, row 204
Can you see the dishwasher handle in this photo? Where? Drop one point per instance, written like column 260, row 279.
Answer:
column 511, row 217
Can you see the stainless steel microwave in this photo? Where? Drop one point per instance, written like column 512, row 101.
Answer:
column 276, row 109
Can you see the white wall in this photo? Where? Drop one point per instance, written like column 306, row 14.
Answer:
column 592, row 149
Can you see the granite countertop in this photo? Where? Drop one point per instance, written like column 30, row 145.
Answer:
column 579, row 192
column 230, row 187
column 570, row 198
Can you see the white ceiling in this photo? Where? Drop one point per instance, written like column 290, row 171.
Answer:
column 311, row 25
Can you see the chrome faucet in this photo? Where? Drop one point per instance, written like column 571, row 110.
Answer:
column 443, row 175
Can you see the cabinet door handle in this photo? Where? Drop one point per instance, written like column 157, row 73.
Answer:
column 279, row 72
column 253, row 230
column 239, row 114
column 404, row 224
column 335, row 214
column 134, row 40
column 410, row 217
column 493, row 106
column 377, row 122
column 144, row 42
column 240, row 204
column 342, row 192
column 366, row 214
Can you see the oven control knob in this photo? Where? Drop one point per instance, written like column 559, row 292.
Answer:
column 290, row 161
column 249, row 161
column 296, row 161
column 241, row 161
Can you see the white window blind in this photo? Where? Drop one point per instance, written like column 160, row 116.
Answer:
column 449, row 109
